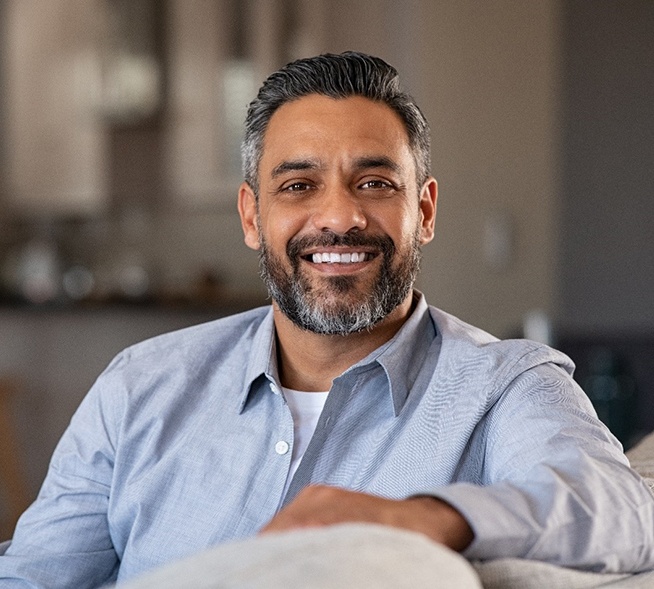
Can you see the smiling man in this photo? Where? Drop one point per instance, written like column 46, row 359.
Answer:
column 339, row 211
column 348, row 400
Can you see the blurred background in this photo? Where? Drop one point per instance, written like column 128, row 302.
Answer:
column 120, row 124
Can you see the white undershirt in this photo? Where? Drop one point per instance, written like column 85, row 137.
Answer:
column 306, row 409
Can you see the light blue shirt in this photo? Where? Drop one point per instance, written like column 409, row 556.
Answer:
column 185, row 441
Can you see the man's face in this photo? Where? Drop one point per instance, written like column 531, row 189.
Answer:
column 340, row 219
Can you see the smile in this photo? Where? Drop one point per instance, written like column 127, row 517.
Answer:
column 336, row 258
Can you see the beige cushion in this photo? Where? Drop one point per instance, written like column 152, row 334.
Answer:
column 641, row 458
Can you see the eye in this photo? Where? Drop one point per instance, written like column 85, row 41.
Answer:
column 376, row 184
column 296, row 187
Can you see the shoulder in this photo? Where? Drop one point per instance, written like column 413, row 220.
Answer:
column 505, row 383
column 220, row 336
column 187, row 358
column 470, row 350
column 186, row 365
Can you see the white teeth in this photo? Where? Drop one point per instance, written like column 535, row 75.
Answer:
column 334, row 258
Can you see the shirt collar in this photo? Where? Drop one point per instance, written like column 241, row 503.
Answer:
column 262, row 360
column 401, row 357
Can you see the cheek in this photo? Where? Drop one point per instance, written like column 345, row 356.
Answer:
column 400, row 225
column 279, row 226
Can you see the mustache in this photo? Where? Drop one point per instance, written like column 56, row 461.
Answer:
column 382, row 243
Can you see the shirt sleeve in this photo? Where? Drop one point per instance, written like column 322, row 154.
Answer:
column 63, row 540
column 556, row 485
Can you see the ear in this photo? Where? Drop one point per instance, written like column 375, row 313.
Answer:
column 428, row 202
column 247, row 209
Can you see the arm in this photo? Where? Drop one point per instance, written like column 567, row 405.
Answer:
column 63, row 539
column 556, row 485
column 320, row 505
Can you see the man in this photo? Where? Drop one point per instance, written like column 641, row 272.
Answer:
column 349, row 400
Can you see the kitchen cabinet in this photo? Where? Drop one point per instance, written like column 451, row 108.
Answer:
column 109, row 104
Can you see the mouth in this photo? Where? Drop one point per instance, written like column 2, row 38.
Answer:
column 332, row 257
column 336, row 254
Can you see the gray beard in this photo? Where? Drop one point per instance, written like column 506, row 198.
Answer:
column 305, row 307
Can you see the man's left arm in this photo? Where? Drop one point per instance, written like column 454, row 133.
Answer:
column 557, row 486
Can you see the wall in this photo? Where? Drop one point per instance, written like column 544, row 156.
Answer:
column 608, row 155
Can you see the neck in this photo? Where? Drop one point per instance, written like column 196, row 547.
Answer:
column 310, row 362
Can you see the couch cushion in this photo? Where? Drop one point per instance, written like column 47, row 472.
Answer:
column 641, row 457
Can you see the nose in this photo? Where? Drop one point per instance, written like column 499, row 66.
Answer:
column 340, row 211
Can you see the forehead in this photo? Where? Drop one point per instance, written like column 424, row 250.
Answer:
column 318, row 127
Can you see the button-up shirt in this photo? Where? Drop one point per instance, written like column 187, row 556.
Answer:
column 185, row 441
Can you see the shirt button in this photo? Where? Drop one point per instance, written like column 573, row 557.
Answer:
column 274, row 388
column 281, row 447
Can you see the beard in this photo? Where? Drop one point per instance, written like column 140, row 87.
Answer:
column 333, row 305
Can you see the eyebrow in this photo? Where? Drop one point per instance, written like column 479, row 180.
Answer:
column 361, row 163
column 294, row 166
column 381, row 161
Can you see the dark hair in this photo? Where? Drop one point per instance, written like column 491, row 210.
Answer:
column 337, row 76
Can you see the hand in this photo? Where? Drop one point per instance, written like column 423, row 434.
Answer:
column 320, row 505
